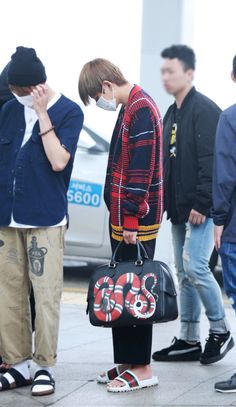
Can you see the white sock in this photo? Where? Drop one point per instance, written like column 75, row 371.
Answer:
column 22, row 368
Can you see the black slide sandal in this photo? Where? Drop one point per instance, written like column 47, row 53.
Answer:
column 19, row 380
column 43, row 382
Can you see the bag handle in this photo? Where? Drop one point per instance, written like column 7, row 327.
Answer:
column 141, row 253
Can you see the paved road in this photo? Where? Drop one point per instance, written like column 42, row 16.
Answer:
column 84, row 351
column 76, row 282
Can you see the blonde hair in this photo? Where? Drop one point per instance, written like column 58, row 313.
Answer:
column 92, row 76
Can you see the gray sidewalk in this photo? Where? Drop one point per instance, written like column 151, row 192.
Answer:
column 85, row 351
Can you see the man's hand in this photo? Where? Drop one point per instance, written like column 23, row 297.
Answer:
column 218, row 230
column 196, row 218
column 129, row 237
column 39, row 94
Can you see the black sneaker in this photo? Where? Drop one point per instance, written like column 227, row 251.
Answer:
column 228, row 386
column 178, row 351
column 216, row 347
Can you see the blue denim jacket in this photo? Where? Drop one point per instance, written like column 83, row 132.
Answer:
column 29, row 187
column 224, row 175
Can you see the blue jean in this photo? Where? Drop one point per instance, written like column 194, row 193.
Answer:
column 228, row 258
column 193, row 245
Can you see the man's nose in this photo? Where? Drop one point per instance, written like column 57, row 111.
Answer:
column 164, row 76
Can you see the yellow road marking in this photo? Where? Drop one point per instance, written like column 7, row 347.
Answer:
column 75, row 290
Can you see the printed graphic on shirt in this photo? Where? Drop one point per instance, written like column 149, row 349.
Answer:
column 84, row 193
column 173, row 140
column 36, row 256
column 12, row 256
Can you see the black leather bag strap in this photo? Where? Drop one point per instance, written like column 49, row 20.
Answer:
column 141, row 253
column 142, row 250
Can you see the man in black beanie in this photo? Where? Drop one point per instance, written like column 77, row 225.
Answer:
column 39, row 131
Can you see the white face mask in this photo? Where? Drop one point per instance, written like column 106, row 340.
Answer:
column 25, row 100
column 107, row 104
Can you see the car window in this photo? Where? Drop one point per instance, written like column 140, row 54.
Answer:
column 85, row 140
column 92, row 142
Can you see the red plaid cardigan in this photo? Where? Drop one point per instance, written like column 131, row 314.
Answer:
column 134, row 182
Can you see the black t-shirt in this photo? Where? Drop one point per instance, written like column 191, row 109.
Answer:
column 172, row 213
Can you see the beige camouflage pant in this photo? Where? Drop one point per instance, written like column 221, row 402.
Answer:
column 34, row 255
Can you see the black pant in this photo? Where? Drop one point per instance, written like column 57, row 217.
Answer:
column 133, row 345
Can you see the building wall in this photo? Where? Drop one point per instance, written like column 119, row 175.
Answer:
column 161, row 26
column 165, row 22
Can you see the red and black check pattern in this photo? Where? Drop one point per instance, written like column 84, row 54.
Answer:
column 134, row 181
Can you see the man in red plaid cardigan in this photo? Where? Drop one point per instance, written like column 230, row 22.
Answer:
column 134, row 196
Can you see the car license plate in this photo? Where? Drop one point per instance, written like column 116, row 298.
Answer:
column 84, row 193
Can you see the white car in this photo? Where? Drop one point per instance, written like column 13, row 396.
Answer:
column 87, row 239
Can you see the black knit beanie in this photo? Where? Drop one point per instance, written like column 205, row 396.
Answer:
column 25, row 68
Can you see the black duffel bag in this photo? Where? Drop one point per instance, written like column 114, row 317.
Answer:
column 134, row 292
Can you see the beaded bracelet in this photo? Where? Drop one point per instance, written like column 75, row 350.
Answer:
column 47, row 131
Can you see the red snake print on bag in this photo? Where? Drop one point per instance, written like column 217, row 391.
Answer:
column 109, row 298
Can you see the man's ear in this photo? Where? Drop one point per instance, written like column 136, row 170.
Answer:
column 190, row 74
column 107, row 86
column 233, row 77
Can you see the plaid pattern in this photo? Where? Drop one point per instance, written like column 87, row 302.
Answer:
column 134, row 182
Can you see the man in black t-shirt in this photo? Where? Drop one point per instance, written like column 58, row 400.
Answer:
column 189, row 135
